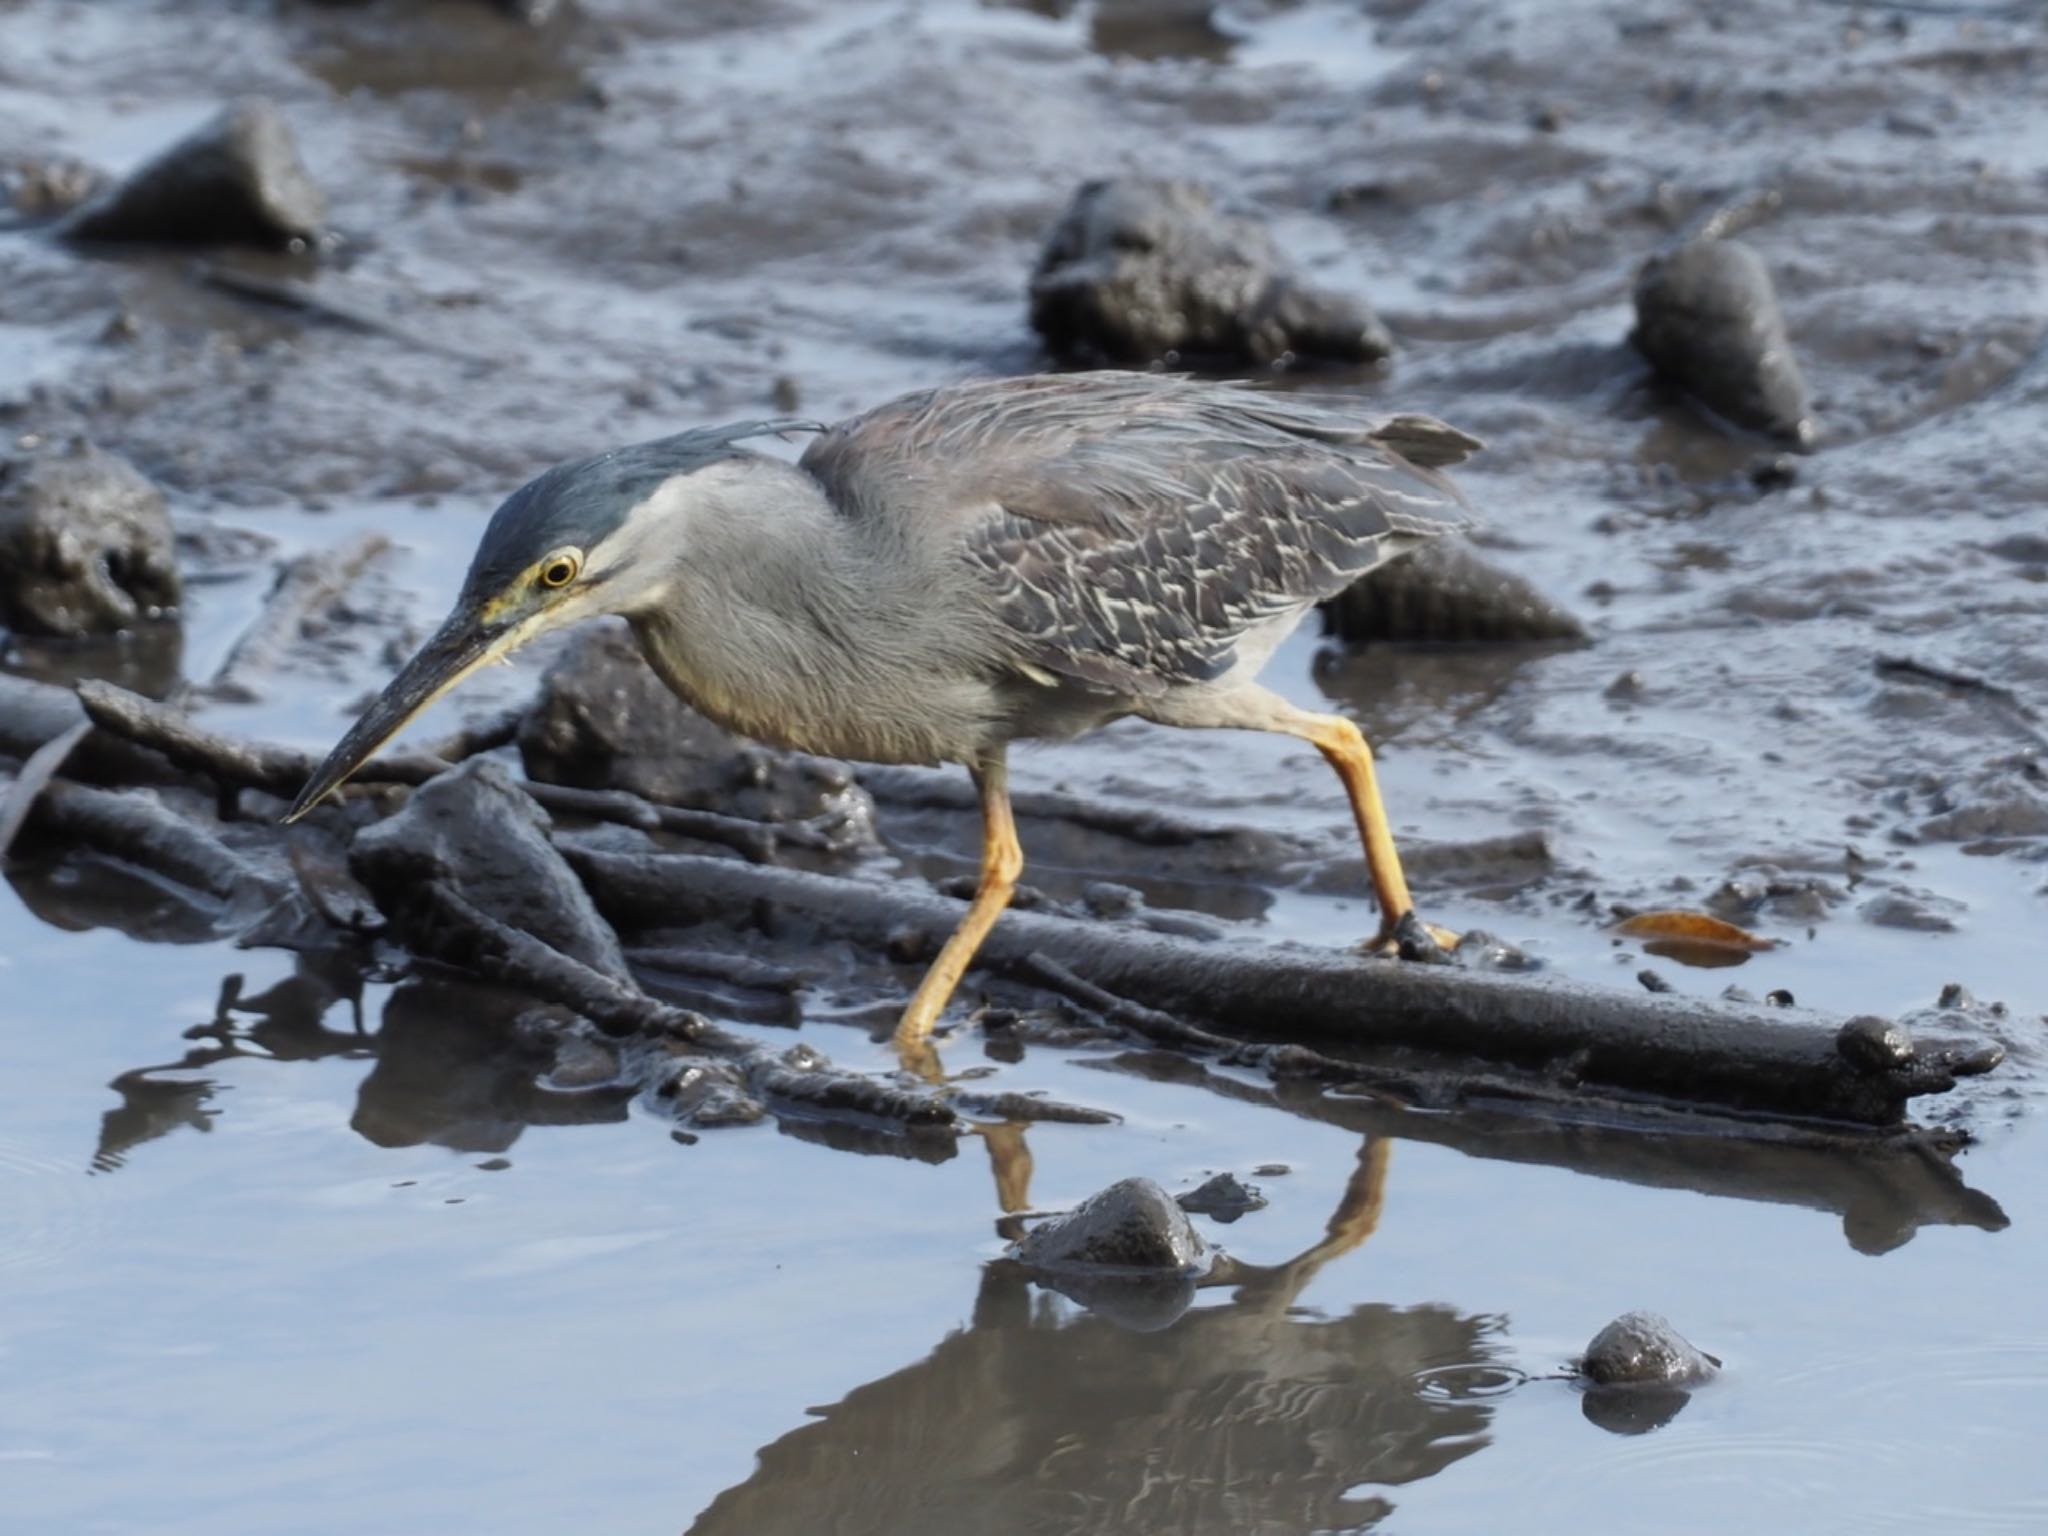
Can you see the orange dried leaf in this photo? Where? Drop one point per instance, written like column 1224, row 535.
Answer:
column 1692, row 928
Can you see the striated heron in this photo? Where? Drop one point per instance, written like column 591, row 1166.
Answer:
column 966, row 567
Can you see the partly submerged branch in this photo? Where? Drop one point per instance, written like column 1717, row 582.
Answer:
column 1594, row 1042
column 237, row 763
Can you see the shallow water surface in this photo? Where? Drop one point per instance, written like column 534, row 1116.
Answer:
column 276, row 1258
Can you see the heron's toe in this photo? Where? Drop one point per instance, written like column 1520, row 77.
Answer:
column 1413, row 939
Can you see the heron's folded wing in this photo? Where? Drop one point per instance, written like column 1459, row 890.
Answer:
column 1130, row 529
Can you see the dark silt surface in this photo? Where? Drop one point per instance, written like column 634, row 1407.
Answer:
column 265, row 1291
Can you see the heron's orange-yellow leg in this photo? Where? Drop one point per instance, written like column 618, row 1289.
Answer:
column 1010, row 1160
column 1356, row 1218
column 1344, row 745
column 1002, row 861
column 1357, row 1215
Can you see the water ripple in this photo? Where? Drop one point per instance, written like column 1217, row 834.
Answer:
column 48, row 1209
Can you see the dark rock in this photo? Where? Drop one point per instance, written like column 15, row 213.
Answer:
column 1708, row 321
column 1132, row 1225
column 1223, row 1198
column 1918, row 912
column 1642, row 1349
column 477, row 830
column 85, row 543
column 1877, row 1043
column 236, row 180
column 603, row 720
column 1652, row 982
column 1140, row 270
column 1128, row 1254
column 1446, row 591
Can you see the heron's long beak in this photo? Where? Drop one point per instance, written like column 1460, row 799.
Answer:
column 461, row 645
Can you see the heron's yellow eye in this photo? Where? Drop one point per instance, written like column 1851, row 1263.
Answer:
column 558, row 570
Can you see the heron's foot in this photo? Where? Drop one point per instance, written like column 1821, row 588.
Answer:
column 919, row 1057
column 1412, row 939
column 917, row 1052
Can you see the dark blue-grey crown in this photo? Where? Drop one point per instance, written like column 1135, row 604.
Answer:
column 579, row 503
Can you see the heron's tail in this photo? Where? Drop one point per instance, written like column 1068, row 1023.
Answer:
column 1425, row 441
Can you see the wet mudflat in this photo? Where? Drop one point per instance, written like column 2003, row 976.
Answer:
column 276, row 1260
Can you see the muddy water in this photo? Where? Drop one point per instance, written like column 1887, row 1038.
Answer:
column 272, row 1260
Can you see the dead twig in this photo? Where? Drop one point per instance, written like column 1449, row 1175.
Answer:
column 237, row 763
column 229, row 761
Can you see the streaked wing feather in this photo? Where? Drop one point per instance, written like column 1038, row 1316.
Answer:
column 1132, row 528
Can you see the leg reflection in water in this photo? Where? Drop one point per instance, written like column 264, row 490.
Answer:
column 1248, row 1416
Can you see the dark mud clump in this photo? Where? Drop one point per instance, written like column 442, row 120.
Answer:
column 1447, row 592
column 475, row 827
column 1708, row 321
column 237, row 180
column 1141, row 271
column 1642, row 1349
column 1641, row 1372
column 85, row 543
column 1875, row 1043
column 1131, row 1225
column 1127, row 1253
column 1223, row 1198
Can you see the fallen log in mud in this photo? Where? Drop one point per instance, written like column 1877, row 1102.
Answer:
column 1596, row 1042
column 1434, row 1036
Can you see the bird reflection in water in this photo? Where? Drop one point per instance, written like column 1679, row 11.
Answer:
column 281, row 1023
column 453, row 1064
column 1252, row 1416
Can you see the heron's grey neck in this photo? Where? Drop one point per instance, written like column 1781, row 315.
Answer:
column 788, row 621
